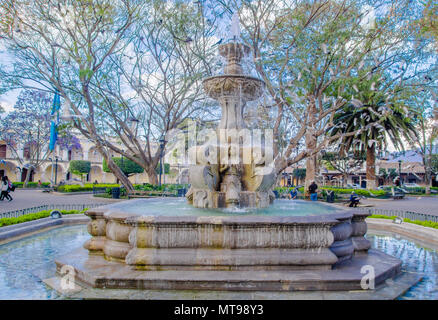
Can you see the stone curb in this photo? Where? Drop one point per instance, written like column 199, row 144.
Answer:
column 411, row 230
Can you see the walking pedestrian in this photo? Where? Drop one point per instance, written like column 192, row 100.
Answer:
column 5, row 187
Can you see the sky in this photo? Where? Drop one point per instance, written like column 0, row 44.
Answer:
column 8, row 100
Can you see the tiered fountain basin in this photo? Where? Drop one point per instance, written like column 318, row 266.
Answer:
column 165, row 244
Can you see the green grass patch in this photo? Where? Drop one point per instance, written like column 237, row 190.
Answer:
column 429, row 224
column 35, row 216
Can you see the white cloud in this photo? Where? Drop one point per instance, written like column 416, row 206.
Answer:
column 7, row 100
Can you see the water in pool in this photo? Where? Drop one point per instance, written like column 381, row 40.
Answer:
column 180, row 206
column 24, row 262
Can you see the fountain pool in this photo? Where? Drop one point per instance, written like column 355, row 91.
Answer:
column 23, row 263
column 180, row 207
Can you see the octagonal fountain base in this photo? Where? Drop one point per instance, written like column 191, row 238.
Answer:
column 233, row 252
column 96, row 272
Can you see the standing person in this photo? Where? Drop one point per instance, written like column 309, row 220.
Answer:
column 312, row 190
column 39, row 184
column 5, row 187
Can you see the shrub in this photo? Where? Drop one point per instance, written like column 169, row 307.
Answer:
column 166, row 167
column 80, row 167
column 128, row 166
column 30, row 184
column 338, row 190
column 86, row 187
column 35, row 216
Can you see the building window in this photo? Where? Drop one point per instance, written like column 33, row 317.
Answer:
column 26, row 152
column 3, row 151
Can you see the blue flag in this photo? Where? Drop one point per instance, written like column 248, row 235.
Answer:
column 54, row 125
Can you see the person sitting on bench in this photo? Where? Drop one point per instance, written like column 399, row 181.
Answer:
column 354, row 200
column 293, row 194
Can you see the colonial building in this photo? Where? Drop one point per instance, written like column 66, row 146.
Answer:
column 57, row 166
column 408, row 164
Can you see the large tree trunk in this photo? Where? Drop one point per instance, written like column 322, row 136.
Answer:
column 116, row 170
column 310, row 140
column 427, row 174
column 152, row 175
column 26, row 181
column 371, row 167
column 344, row 179
column 310, row 171
column 310, row 161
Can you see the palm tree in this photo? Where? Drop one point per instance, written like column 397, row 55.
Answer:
column 381, row 115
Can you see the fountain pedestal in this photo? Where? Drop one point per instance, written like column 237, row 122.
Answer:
column 230, row 252
column 232, row 179
column 241, row 253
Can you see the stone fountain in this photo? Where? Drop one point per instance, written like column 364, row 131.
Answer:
column 141, row 245
column 220, row 182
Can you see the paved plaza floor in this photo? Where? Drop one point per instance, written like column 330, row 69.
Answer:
column 419, row 204
column 23, row 199
column 32, row 198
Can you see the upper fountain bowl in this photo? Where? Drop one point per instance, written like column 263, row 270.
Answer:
column 245, row 87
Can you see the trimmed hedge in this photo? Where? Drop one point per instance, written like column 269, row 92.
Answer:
column 30, row 184
column 337, row 190
column 140, row 187
column 413, row 190
column 164, row 187
column 35, row 216
column 87, row 187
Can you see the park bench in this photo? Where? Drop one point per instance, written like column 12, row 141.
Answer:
column 47, row 189
column 397, row 194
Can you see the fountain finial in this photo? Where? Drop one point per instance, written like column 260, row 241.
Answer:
column 235, row 27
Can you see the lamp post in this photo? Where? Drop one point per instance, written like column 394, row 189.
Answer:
column 399, row 172
column 56, row 168
column 162, row 142
column 51, row 175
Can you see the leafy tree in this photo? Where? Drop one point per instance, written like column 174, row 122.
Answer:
column 27, row 128
column 166, row 167
column 346, row 164
column 127, row 166
column 382, row 114
column 164, row 59
column 307, row 52
column 435, row 164
column 80, row 167
column 63, row 46
column 428, row 23
column 388, row 174
column 426, row 144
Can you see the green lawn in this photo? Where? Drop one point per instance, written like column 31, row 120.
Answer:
column 429, row 224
